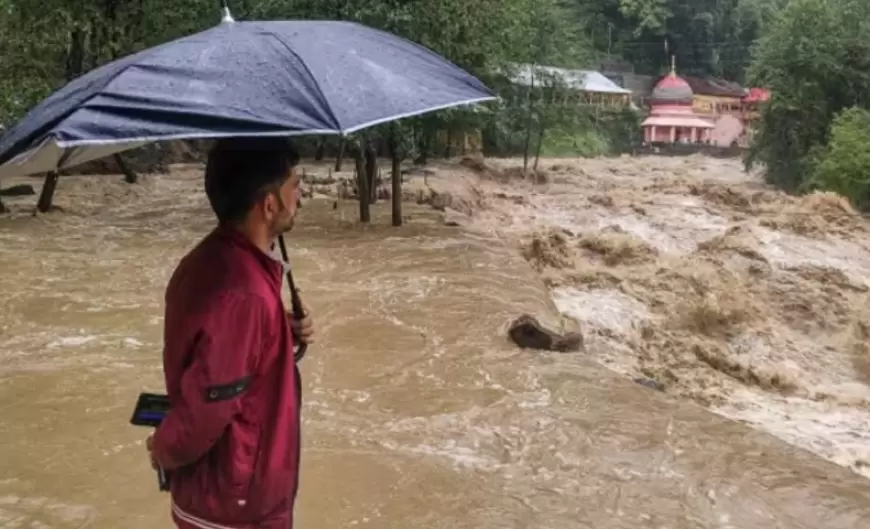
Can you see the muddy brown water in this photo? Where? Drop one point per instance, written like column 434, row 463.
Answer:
column 418, row 412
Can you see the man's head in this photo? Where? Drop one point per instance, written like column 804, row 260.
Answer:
column 253, row 182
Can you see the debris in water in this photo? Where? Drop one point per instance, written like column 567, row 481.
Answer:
column 549, row 250
column 652, row 384
column 19, row 190
column 616, row 247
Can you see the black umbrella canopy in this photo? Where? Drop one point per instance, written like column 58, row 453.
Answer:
column 279, row 78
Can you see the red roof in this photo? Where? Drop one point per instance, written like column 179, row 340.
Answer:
column 756, row 95
column 672, row 81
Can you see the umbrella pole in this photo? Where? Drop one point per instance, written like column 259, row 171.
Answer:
column 295, row 300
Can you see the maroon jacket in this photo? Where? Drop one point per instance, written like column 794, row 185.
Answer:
column 231, row 442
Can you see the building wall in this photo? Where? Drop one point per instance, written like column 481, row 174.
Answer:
column 728, row 114
column 729, row 129
column 716, row 105
column 461, row 143
column 663, row 135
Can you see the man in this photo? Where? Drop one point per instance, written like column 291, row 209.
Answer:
column 230, row 445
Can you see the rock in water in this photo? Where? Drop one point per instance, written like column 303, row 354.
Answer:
column 528, row 333
column 20, row 190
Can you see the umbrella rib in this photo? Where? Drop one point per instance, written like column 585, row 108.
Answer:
column 313, row 79
column 418, row 113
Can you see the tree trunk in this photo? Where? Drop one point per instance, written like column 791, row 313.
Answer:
column 320, row 151
column 541, row 131
column 371, row 162
column 526, row 147
column 111, row 9
column 528, row 141
column 129, row 176
column 47, row 194
column 76, row 56
column 424, row 144
column 448, row 149
column 396, row 177
column 2, row 207
column 338, row 159
column 362, row 185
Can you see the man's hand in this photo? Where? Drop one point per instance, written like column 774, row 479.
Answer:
column 148, row 446
column 304, row 328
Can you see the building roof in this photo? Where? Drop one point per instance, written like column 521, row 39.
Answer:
column 754, row 95
column 711, row 86
column 639, row 85
column 584, row 80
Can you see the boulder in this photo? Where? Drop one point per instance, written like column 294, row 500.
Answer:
column 528, row 333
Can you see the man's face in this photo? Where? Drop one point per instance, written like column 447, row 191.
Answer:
column 280, row 207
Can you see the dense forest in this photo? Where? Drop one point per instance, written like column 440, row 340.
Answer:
column 814, row 56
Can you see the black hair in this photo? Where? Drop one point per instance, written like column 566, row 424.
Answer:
column 241, row 170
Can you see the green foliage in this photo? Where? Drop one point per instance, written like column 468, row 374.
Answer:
column 816, row 62
column 843, row 165
column 570, row 143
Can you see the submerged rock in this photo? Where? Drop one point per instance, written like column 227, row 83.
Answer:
column 528, row 333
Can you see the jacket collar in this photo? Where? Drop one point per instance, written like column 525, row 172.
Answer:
column 272, row 266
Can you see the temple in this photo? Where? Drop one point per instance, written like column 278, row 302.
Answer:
column 672, row 118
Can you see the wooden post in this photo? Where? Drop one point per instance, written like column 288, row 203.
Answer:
column 396, row 177
column 362, row 185
column 341, row 146
column 129, row 176
column 371, row 162
column 45, row 197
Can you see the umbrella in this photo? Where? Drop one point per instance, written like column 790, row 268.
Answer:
column 279, row 78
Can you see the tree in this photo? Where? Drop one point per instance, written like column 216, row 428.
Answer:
column 843, row 165
column 708, row 37
column 816, row 62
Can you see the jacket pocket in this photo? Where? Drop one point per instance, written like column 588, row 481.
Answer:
column 240, row 461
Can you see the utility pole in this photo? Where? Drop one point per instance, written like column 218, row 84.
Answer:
column 609, row 38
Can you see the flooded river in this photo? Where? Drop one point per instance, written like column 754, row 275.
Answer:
column 418, row 412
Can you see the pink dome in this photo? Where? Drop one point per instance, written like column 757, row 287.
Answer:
column 672, row 90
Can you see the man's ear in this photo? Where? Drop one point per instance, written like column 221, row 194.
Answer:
column 269, row 206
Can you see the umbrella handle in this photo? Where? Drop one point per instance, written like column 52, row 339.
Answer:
column 295, row 302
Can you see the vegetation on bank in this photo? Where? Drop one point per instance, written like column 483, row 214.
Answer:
column 814, row 56
column 813, row 133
